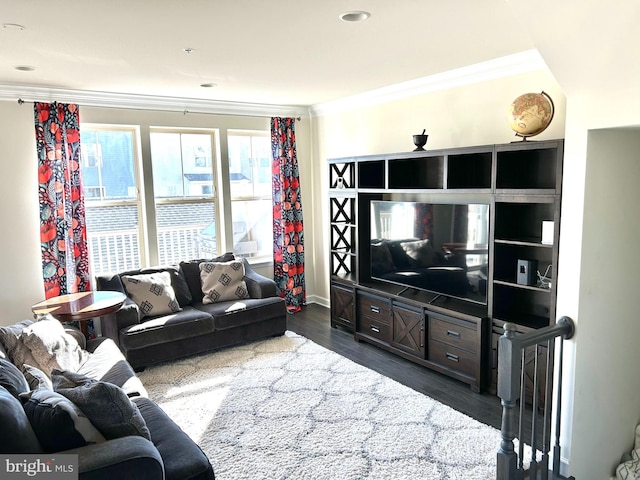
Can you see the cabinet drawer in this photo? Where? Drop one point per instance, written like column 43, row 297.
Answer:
column 453, row 358
column 376, row 308
column 373, row 328
column 453, row 334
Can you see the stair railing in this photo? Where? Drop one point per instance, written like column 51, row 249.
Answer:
column 520, row 379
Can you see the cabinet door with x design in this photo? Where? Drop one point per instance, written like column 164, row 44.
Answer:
column 408, row 329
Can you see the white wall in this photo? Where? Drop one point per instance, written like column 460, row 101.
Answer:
column 606, row 379
column 595, row 281
column 21, row 281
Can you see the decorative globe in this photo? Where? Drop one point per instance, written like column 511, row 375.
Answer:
column 530, row 114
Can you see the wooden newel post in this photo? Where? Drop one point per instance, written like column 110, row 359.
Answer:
column 509, row 392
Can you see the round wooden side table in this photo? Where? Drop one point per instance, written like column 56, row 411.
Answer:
column 80, row 307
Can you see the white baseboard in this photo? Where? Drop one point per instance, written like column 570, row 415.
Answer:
column 324, row 302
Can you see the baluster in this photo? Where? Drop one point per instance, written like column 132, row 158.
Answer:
column 547, row 410
column 533, row 467
column 556, row 447
column 507, row 468
column 523, row 401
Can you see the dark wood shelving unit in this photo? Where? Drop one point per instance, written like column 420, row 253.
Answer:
column 521, row 182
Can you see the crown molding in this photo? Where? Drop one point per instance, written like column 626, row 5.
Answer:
column 517, row 63
column 522, row 62
column 148, row 102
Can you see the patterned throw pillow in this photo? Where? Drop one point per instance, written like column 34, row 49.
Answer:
column 223, row 281
column 152, row 292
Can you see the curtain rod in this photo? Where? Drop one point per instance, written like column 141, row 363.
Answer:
column 21, row 101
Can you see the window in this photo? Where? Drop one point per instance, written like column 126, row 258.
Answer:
column 250, row 187
column 183, row 186
column 111, row 197
column 186, row 224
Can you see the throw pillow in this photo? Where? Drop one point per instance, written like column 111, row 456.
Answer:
column 11, row 337
column 12, row 379
column 191, row 272
column 106, row 405
column 401, row 261
column 52, row 347
column 16, row 432
column 57, row 422
column 223, row 281
column 381, row 260
column 421, row 252
column 178, row 282
column 36, row 378
column 152, row 292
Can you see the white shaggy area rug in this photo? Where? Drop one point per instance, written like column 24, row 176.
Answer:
column 287, row 408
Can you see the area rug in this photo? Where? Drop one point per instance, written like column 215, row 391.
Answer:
column 287, row 408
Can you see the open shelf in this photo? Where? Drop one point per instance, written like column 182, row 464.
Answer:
column 343, row 237
column 469, row 170
column 416, row 173
column 506, row 258
column 342, row 209
column 524, row 243
column 342, row 175
column 521, row 306
column 371, row 174
column 535, row 168
column 343, row 264
column 522, row 222
column 533, row 288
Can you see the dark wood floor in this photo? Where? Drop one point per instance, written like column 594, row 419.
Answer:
column 313, row 322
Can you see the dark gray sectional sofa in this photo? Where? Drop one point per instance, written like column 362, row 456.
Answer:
column 169, row 454
column 197, row 327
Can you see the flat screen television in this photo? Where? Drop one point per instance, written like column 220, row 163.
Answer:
column 440, row 248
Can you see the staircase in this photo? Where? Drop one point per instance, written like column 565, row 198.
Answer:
column 527, row 416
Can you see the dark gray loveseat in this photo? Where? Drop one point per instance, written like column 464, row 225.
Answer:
column 198, row 327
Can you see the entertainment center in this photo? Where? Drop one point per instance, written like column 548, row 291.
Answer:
column 432, row 252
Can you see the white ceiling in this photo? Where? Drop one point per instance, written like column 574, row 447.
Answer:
column 280, row 52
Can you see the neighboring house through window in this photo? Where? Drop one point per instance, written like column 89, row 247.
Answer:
column 250, row 187
column 183, row 185
column 112, row 203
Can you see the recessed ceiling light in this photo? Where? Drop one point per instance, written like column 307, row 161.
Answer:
column 12, row 26
column 355, row 16
column 208, row 85
column 25, row 68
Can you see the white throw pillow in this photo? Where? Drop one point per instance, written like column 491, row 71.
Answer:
column 11, row 338
column 223, row 281
column 52, row 347
column 152, row 292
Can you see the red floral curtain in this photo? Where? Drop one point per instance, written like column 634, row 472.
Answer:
column 288, row 236
column 63, row 236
